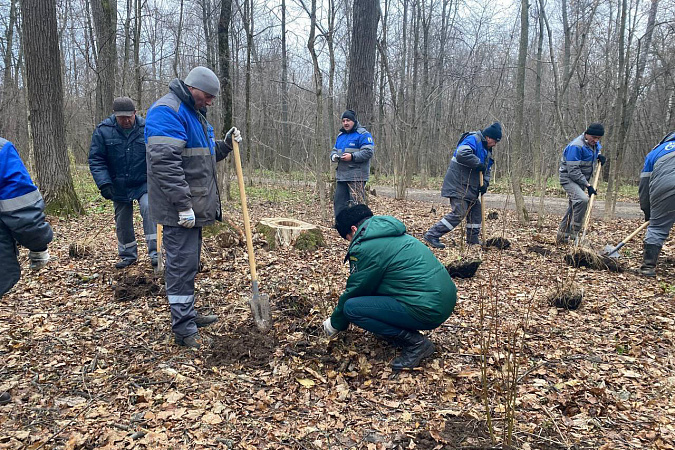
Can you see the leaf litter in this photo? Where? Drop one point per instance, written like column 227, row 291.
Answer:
column 89, row 360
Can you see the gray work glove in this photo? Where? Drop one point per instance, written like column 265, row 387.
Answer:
column 186, row 218
column 38, row 259
column 328, row 328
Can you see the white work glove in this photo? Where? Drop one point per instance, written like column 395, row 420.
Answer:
column 236, row 134
column 38, row 259
column 328, row 328
column 335, row 157
column 186, row 218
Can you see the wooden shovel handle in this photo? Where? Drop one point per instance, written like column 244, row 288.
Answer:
column 589, row 208
column 632, row 235
column 482, row 211
column 244, row 210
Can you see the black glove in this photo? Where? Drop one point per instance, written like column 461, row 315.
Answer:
column 647, row 215
column 591, row 190
column 483, row 189
column 603, row 159
column 107, row 191
column 480, row 167
column 223, row 148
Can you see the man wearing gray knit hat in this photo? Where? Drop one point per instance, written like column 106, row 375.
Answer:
column 183, row 188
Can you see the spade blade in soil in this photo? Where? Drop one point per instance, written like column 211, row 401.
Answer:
column 610, row 252
column 260, row 308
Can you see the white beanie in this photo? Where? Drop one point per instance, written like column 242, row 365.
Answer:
column 203, row 79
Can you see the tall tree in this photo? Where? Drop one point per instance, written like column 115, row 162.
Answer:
column 104, row 13
column 224, row 21
column 360, row 96
column 518, row 151
column 8, row 88
column 45, row 99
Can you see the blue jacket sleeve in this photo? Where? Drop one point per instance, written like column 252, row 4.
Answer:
column 572, row 155
column 21, row 205
column 366, row 148
column 466, row 153
column 98, row 159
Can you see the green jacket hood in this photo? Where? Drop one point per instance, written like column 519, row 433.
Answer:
column 378, row 227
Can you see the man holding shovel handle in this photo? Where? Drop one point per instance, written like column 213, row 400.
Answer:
column 183, row 189
column 576, row 168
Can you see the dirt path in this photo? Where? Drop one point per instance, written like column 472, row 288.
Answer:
column 552, row 205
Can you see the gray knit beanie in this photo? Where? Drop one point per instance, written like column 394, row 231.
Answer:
column 203, row 79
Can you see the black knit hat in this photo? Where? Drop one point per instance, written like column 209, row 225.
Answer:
column 349, row 114
column 349, row 217
column 494, row 131
column 595, row 129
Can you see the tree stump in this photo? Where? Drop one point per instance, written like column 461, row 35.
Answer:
column 285, row 232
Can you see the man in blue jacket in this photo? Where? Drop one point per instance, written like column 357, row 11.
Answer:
column 461, row 184
column 657, row 200
column 22, row 218
column 183, row 189
column 576, row 169
column 354, row 147
column 117, row 163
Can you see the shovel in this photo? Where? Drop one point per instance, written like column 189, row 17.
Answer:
column 613, row 252
column 259, row 303
column 160, row 258
column 482, row 212
column 589, row 209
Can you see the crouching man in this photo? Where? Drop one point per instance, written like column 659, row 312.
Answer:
column 396, row 286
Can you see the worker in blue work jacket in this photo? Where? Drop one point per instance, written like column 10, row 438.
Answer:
column 117, row 164
column 183, row 189
column 657, row 200
column 22, row 218
column 353, row 150
column 472, row 156
column 576, row 168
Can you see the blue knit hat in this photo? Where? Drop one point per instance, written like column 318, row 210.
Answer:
column 494, row 131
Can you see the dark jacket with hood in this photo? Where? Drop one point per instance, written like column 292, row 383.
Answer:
column 181, row 158
column 384, row 260
column 119, row 159
column 462, row 180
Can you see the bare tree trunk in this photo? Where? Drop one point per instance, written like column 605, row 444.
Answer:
column 285, row 129
column 179, row 33
column 227, row 100
column 628, row 101
column 518, row 152
column 360, row 95
column 138, row 77
column 319, row 150
column 45, row 96
column 104, row 13
column 127, row 45
column 8, row 88
column 539, row 166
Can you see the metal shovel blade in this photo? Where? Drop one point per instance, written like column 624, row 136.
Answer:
column 610, row 252
column 260, row 308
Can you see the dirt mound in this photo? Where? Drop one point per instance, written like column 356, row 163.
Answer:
column 134, row 283
column 245, row 345
column 463, row 268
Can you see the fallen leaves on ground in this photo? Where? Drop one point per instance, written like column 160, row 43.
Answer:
column 89, row 359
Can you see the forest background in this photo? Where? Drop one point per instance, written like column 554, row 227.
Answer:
column 441, row 67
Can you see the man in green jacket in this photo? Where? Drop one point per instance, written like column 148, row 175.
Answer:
column 396, row 285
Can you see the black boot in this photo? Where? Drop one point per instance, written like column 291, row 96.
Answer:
column 651, row 254
column 415, row 347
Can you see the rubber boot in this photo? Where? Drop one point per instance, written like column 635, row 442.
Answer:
column 651, row 254
column 415, row 347
column 204, row 320
column 433, row 241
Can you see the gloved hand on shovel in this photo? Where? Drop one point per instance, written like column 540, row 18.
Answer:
column 38, row 259
column 328, row 328
column 591, row 190
column 483, row 189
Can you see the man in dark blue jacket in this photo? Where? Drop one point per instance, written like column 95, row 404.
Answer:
column 657, row 200
column 22, row 218
column 354, row 147
column 461, row 184
column 183, row 189
column 117, row 163
column 576, row 169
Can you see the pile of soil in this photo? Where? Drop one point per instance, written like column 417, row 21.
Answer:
column 134, row 283
column 246, row 346
column 463, row 268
